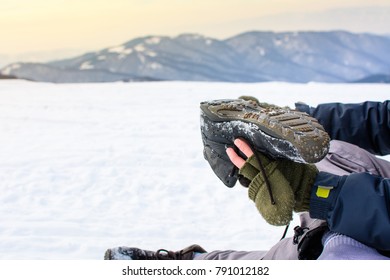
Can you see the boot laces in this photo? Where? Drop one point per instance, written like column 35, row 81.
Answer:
column 263, row 172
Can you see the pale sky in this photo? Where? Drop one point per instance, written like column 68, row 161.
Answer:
column 47, row 25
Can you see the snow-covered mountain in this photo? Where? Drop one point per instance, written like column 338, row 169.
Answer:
column 314, row 56
column 384, row 79
column 335, row 56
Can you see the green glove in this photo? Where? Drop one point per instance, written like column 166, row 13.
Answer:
column 301, row 177
column 290, row 183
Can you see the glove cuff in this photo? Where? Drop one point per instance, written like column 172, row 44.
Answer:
column 303, row 193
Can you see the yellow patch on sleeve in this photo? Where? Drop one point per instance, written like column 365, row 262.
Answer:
column 323, row 191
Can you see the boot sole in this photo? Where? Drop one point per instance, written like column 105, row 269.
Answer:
column 278, row 132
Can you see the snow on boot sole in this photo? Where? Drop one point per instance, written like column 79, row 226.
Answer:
column 128, row 253
column 277, row 132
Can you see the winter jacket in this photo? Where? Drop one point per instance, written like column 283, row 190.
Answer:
column 356, row 205
column 366, row 124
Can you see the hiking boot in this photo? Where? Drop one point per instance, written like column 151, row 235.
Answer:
column 127, row 253
column 269, row 129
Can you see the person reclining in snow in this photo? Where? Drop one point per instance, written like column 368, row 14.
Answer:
column 290, row 164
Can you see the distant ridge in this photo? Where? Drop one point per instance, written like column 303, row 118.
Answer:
column 380, row 78
column 334, row 56
column 6, row 77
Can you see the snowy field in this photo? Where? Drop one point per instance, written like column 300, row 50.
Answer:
column 85, row 167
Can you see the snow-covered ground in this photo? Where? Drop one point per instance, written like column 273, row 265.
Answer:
column 85, row 167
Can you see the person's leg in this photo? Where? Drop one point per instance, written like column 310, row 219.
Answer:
column 344, row 158
column 231, row 255
column 340, row 247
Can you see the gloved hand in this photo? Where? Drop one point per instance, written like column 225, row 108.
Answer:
column 290, row 183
